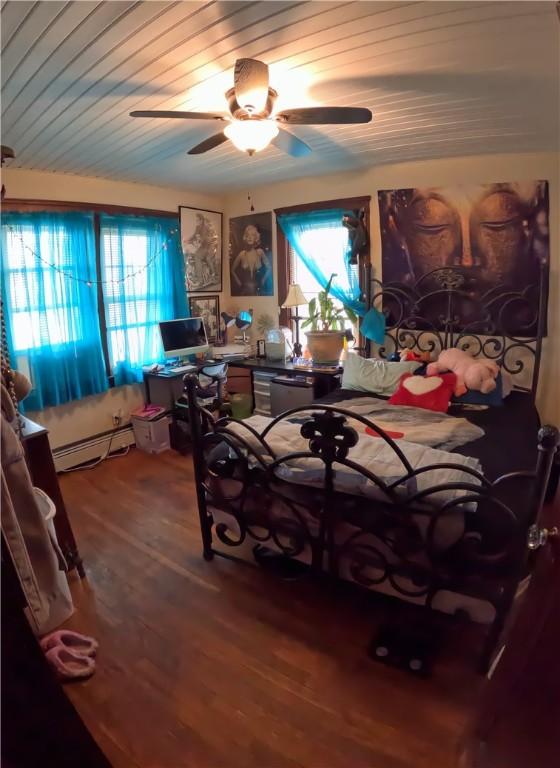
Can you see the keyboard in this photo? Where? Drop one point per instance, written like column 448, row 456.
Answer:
column 230, row 358
column 182, row 368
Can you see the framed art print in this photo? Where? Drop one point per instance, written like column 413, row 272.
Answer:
column 201, row 243
column 208, row 308
column 250, row 255
column 497, row 234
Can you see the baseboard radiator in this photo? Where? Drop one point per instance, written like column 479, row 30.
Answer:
column 68, row 456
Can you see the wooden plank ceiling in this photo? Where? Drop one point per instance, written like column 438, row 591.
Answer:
column 442, row 78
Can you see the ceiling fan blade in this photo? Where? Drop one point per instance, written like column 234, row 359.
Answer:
column 325, row 116
column 250, row 79
column 290, row 144
column 207, row 144
column 174, row 113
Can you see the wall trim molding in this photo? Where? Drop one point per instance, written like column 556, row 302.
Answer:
column 349, row 203
column 16, row 204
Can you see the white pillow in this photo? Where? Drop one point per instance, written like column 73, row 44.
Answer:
column 374, row 375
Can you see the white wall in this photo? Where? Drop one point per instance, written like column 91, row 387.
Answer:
column 84, row 418
column 41, row 185
column 463, row 170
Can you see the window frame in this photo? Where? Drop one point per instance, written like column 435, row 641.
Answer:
column 22, row 205
column 283, row 250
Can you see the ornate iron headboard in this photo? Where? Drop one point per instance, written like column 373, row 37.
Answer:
column 452, row 307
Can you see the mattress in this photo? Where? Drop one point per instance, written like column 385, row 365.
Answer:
column 510, row 432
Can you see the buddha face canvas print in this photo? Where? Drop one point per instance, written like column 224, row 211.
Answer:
column 495, row 235
column 498, row 231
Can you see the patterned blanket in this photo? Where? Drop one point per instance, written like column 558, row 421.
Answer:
column 419, row 432
column 415, row 425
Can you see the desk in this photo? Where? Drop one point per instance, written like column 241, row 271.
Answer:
column 165, row 389
column 39, row 459
column 325, row 381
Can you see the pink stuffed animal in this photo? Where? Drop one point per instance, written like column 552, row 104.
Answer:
column 471, row 373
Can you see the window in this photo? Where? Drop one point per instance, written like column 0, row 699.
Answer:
column 69, row 333
column 52, row 320
column 301, row 275
column 315, row 244
column 42, row 307
column 126, row 303
column 139, row 273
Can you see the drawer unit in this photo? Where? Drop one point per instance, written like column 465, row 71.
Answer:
column 288, row 392
column 261, row 391
column 238, row 380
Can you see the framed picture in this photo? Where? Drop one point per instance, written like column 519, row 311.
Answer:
column 250, row 255
column 208, row 308
column 201, row 242
column 498, row 234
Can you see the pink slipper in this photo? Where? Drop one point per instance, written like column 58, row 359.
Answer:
column 80, row 644
column 69, row 665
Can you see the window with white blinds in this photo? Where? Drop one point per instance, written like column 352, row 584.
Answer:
column 43, row 307
column 126, row 301
column 143, row 284
column 85, row 291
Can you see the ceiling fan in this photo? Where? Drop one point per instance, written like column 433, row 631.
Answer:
column 251, row 124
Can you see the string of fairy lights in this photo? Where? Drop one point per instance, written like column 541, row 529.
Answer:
column 87, row 281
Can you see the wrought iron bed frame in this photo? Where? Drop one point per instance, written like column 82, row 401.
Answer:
column 502, row 321
column 480, row 563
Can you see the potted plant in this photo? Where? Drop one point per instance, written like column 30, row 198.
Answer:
column 325, row 338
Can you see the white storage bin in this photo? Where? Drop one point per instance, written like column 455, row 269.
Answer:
column 151, row 436
column 261, row 389
column 262, row 404
column 263, row 377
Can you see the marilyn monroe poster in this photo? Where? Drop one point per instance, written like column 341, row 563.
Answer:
column 250, row 255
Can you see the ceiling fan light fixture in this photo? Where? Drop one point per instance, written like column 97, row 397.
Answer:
column 251, row 135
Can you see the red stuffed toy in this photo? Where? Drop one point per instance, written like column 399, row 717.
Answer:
column 430, row 392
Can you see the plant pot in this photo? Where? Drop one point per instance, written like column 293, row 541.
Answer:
column 325, row 346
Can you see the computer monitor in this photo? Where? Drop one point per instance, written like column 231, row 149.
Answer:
column 183, row 337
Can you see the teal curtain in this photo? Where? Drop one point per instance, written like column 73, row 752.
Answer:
column 322, row 243
column 51, row 310
column 143, row 270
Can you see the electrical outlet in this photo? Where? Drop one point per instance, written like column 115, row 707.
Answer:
column 117, row 418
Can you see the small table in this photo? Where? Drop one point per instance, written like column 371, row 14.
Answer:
column 40, row 462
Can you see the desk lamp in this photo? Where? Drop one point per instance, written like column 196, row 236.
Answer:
column 295, row 298
column 242, row 320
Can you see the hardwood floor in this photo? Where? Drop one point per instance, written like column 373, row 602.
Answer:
column 218, row 664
